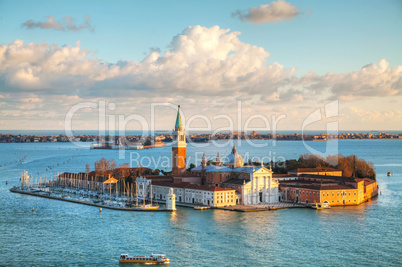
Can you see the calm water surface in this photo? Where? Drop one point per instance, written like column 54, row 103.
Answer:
column 58, row 233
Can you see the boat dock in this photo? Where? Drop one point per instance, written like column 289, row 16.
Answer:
column 44, row 195
column 238, row 208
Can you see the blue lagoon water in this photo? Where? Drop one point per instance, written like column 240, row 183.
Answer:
column 59, row 233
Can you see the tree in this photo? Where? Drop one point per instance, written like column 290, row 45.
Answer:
column 345, row 165
column 103, row 166
column 148, row 142
column 313, row 161
column 124, row 170
column 190, row 167
column 351, row 166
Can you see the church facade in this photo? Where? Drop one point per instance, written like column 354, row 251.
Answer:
column 253, row 184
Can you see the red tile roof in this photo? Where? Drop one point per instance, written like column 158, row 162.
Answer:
column 316, row 170
column 322, row 187
column 155, row 177
column 277, row 175
column 192, row 186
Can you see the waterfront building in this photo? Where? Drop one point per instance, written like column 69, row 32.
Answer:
column 335, row 190
column 144, row 182
column 196, row 194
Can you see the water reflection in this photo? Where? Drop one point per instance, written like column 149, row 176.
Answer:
column 173, row 217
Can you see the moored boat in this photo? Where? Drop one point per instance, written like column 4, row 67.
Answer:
column 152, row 259
column 319, row 206
column 201, row 207
column 389, row 173
column 147, row 207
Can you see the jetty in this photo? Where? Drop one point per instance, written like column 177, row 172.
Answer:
column 46, row 194
column 77, row 190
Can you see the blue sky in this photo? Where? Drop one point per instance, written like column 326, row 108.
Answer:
column 336, row 37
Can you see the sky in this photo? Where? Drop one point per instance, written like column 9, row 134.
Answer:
column 229, row 64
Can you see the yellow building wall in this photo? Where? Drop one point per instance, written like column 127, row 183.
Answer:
column 336, row 198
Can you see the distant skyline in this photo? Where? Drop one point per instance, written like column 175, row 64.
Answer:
column 281, row 58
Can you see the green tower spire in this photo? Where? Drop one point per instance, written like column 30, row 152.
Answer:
column 178, row 119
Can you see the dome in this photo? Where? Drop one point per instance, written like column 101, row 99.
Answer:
column 234, row 160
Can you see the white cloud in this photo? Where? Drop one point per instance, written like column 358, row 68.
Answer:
column 273, row 12
column 208, row 69
column 377, row 116
column 65, row 24
column 200, row 60
column 372, row 80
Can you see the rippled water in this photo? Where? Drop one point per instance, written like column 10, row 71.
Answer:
column 59, row 233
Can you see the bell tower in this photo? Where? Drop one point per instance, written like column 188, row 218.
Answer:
column 179, row 146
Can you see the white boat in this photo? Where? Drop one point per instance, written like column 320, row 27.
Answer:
column 201, row 207
column 152, row 259
column 319, row 206
column 146, row 207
